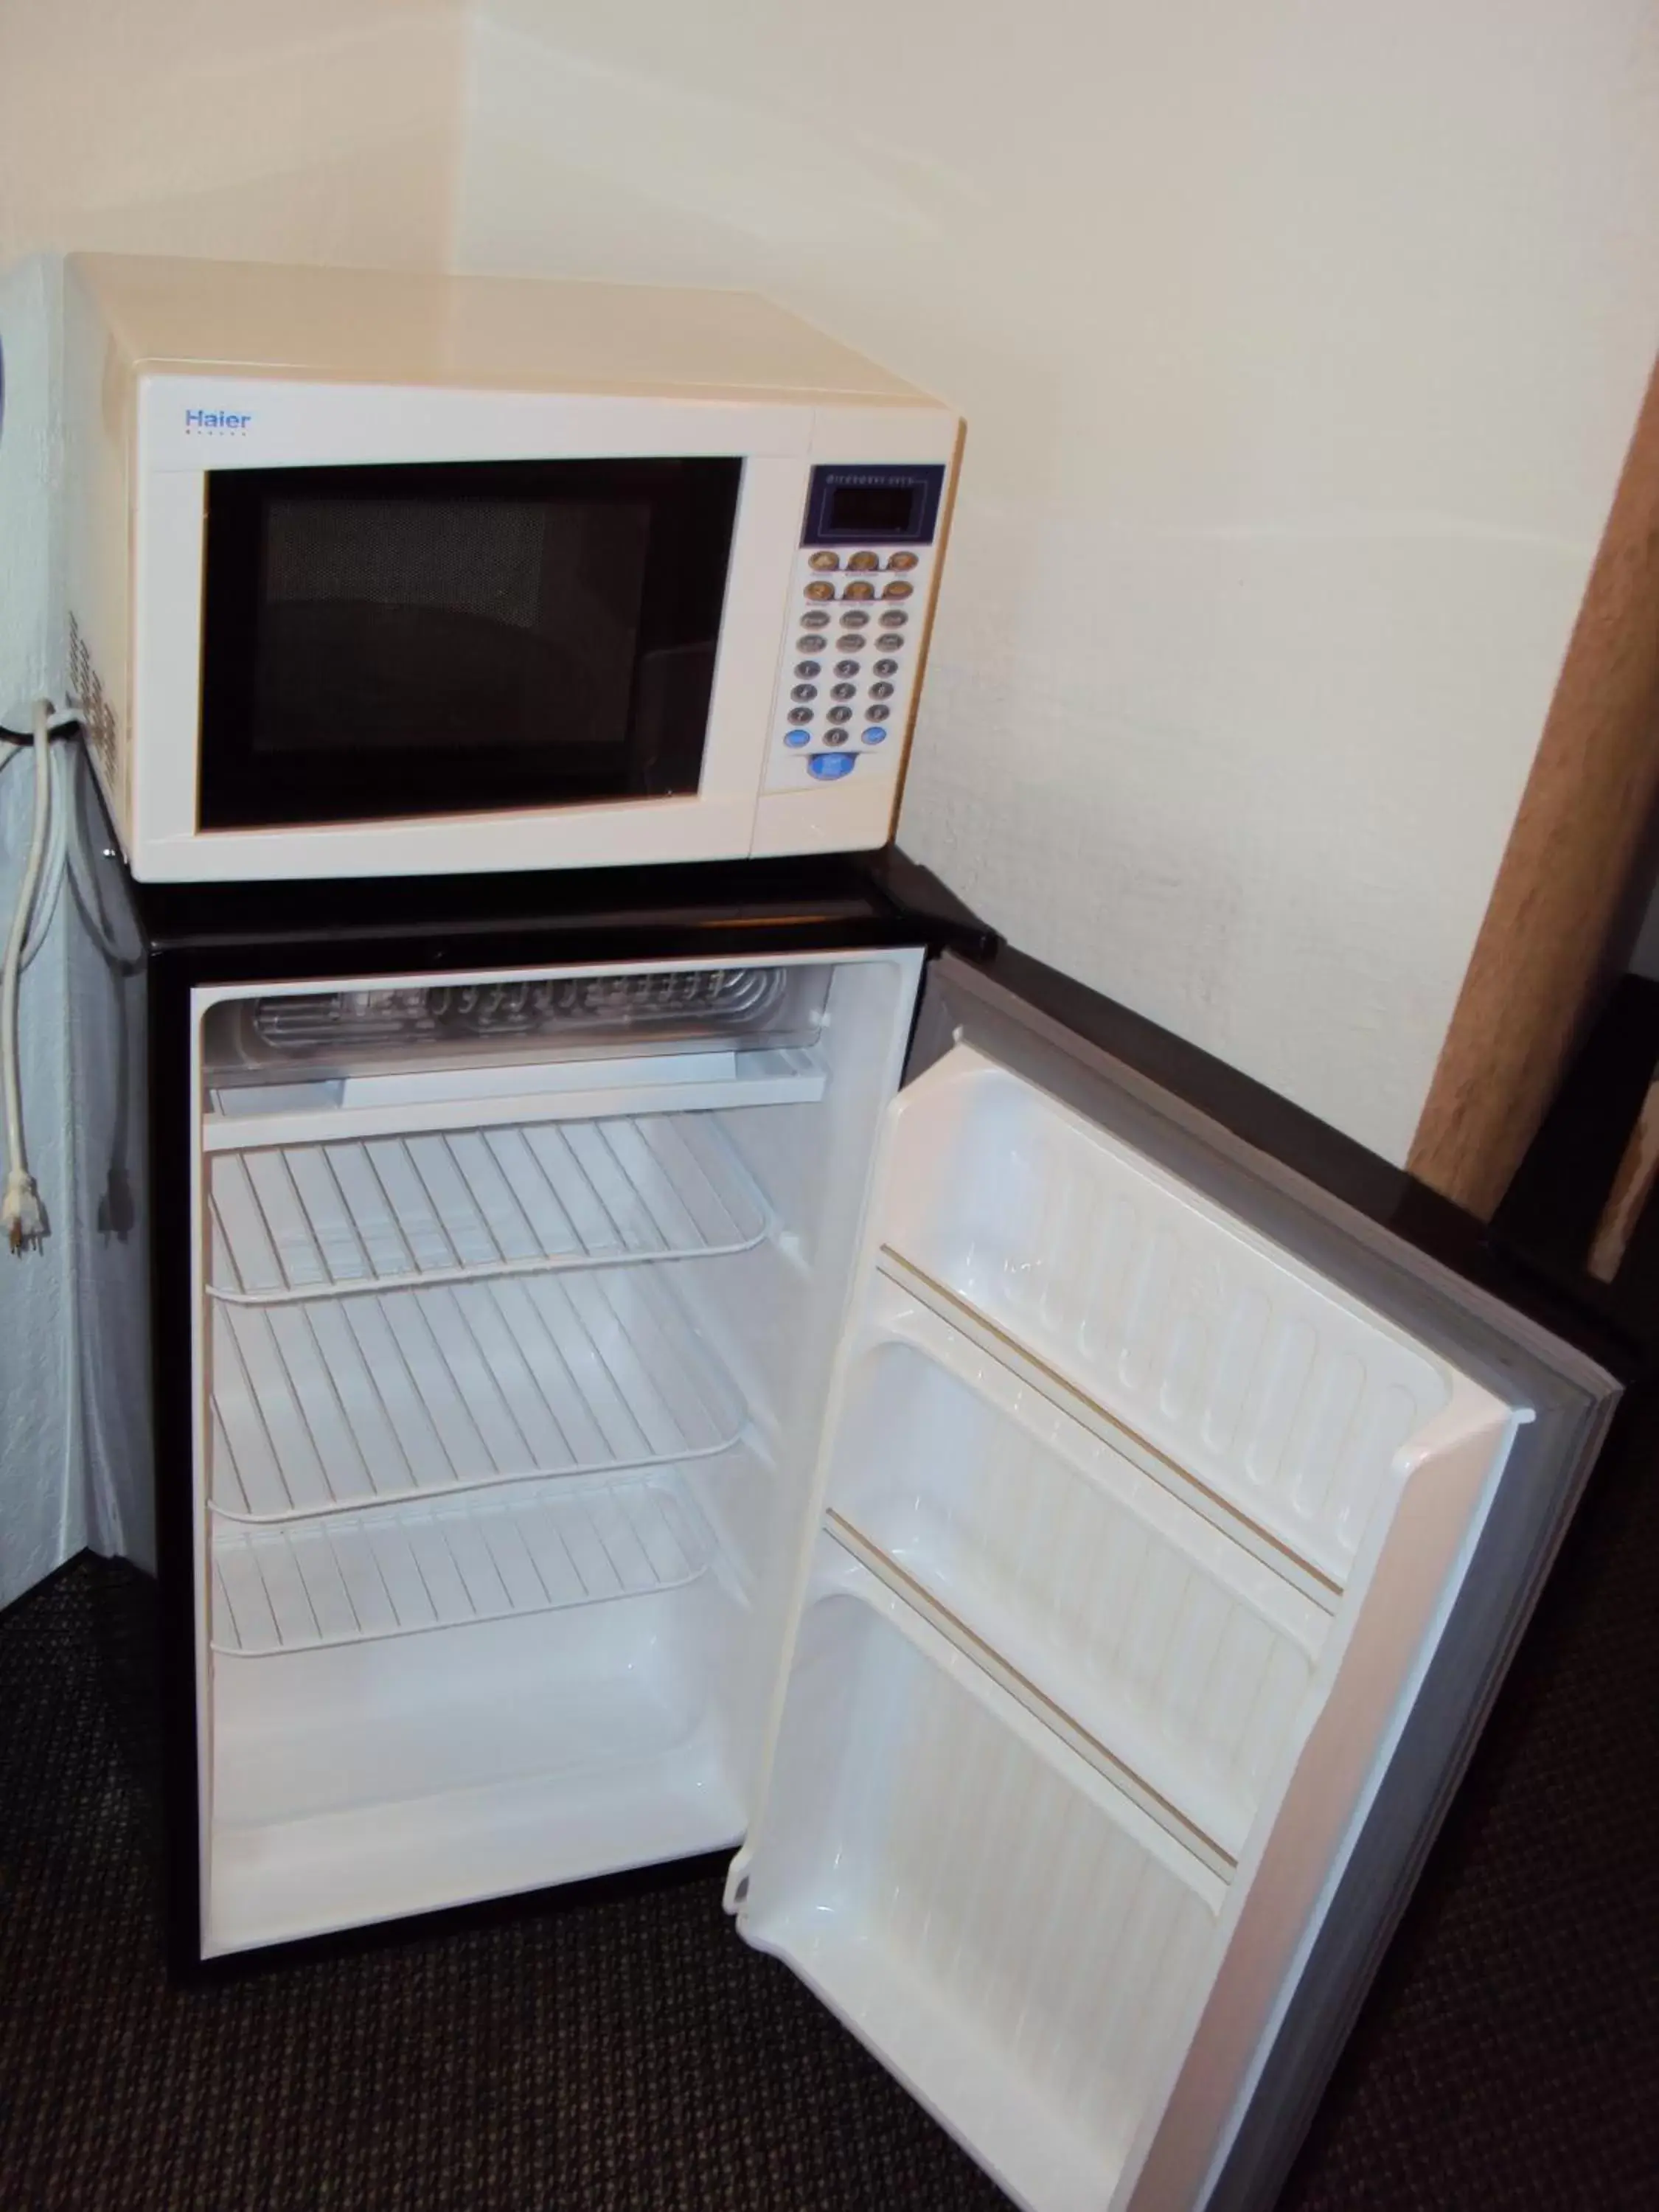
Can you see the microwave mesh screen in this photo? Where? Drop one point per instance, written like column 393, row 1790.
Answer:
column 478, row 556
column 421, row 620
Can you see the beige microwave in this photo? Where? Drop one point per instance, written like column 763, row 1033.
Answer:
column 373, row 572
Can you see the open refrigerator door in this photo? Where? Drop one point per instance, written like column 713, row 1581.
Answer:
column 1137, row 1531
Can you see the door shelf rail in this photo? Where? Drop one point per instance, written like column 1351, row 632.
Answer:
column 369, row 1402
column 298, row 1221
column 358, row 1579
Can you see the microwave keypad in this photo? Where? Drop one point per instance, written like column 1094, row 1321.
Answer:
column 853, row 602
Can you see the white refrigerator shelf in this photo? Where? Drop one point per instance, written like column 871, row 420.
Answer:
column 296, row 1222
column 355, row 1578
column 347, row 1403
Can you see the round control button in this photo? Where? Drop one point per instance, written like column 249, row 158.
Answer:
column 803, row 691
column 801, row 714
column 830, row 766
column 851, row 642
column 800, row 737
column 839, row 714
column 809, row 644
column 881, row 690
column 816, row 618
column 808, row 668
column 835, row 737
column 854, row 618
column 896, row 591
column 842, row 690
column 869, row 737
column 845, row 668
column 893, row 619
column 889, row 644
column 863, row 560
column 877, row 713
column 820, row 592
column 902, row 561
column 887, row 667
column 860, row 592
column 824, row 561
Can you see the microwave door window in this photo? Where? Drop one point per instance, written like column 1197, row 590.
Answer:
column 430, row 623
column 383, row 642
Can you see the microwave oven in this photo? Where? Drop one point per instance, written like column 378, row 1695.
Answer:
column 374, row 573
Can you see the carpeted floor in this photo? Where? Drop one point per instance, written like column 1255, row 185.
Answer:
column 634, row 2055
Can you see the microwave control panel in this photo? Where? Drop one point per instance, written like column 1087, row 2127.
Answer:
column 859, row 604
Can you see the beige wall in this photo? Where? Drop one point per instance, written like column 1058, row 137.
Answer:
column 1299, row 348
column 309, row 130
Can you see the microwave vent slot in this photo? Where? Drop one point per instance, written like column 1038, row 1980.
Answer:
column 97, row 715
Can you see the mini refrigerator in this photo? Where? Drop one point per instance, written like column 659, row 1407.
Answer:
column 729, row 1360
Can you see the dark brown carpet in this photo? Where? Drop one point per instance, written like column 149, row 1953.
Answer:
column 1508, row 2055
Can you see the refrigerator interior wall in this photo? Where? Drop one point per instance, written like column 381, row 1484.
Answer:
column 511, row 1379
column 1107, row 1483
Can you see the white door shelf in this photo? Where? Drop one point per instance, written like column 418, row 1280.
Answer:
column 1013, row 1937
column 355, row 1578
column 347, row 1403
column 1180, row 1655
column 308, row 1221
column 1286, row 1398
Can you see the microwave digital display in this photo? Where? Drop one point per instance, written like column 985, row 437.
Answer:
column 877, row 504
column 872, row 510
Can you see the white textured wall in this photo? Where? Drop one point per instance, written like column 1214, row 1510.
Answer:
column 1298, row 347
column 267, row 129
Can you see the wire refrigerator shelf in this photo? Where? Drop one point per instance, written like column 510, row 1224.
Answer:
column 361, row 1577
column 334, row 1406
column 308, row 1221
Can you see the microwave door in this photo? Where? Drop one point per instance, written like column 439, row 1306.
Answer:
column 1175, row 1525
column 457, row 638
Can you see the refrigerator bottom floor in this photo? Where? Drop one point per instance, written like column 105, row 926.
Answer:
column 367, row 1782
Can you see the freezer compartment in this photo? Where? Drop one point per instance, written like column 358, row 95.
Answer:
column 335, row 1404
column 1272, row 1389
column 1008, row 1933
column 496, row 1021
column 298, row 1221
column 1184, row 1657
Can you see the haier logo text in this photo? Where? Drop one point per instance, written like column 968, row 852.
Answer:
column 213, row 418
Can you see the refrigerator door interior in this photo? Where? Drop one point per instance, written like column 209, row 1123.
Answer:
column 1150, row 1486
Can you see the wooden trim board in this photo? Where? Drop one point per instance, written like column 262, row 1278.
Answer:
column 1580, row 829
